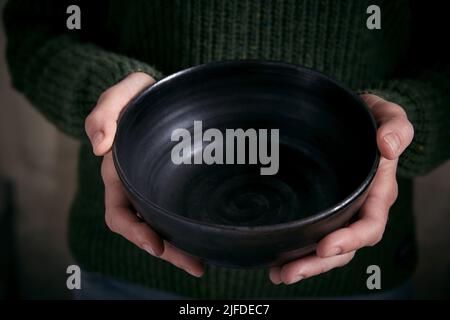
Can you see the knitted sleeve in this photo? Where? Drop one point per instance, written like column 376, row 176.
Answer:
column 57, row 71
column 424, row 92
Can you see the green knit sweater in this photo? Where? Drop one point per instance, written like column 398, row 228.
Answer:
column 63, row 72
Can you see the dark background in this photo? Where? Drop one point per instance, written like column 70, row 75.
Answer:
column 37, row 183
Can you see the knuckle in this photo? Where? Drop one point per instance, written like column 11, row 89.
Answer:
column 376, row 237
column 107, row 95
column 305, row 273
column 93, row 120
column 109, row 220
column 389, row 198
column 383, row 130
column 409, row 130
column 394, row 193
column 397, row 108
column 89, row 121
column 141, row 78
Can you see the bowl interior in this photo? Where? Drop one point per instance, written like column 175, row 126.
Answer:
column 327, row 144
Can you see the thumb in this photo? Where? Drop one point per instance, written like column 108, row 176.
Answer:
column 101, row 123
column 395, row 132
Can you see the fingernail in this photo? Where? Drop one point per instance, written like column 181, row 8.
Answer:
column 148, row 248
column 139, row 216
column 334, row 252
column 393, row 141
column 297, row 278
column 277, row 282
column 98, row 138
column 192, row 273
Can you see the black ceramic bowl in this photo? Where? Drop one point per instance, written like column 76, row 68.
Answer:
column 231, row 214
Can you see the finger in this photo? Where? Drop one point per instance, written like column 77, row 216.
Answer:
column 395, row 132
column 275, row 275
column 369, row 229
column 124, row 222
column 311, row 266
column 182, row 260
column 101, row 123
column 121, row 219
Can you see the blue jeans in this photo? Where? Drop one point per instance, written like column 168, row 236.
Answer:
column 95, row 286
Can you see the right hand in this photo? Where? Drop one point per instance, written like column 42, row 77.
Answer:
column 120, row 216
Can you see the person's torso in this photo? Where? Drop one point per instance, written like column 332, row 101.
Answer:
column 327, row 35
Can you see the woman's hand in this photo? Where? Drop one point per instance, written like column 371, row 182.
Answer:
column 120, row 216
column 394, row 134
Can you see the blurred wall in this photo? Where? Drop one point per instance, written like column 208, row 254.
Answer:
column 41, row 163
column 432, row 210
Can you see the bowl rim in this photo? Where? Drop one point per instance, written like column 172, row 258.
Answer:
column 311, row 219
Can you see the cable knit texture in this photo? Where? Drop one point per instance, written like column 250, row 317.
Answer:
column 63, row 72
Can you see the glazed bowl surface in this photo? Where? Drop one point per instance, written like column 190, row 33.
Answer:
column 227, row 212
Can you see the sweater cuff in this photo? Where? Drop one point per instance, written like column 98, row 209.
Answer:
column 426, row 110
column 106, row 69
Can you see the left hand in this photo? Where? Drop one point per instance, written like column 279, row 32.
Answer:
column 394, row 134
